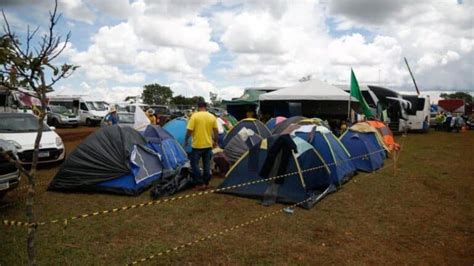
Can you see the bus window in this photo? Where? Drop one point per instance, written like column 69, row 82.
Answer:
column 420, row 104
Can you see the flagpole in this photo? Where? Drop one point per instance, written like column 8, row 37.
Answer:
column 349, row 120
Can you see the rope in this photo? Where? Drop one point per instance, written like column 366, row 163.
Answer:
column 214, row 235
column 177, row 198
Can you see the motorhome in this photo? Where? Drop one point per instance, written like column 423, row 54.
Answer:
column 90, row 111
column 16, row 101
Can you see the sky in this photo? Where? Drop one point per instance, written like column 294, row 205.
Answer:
column 202, row 46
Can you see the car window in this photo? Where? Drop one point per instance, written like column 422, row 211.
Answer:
column 20, row 123
column 126, row 118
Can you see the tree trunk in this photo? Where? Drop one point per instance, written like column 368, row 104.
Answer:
column 31, row 185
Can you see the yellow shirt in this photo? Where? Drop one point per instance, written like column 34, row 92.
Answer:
column 152, row 119
column 202, row 124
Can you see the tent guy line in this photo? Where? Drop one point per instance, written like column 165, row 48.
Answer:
column 187, row 196
column 214, row 235
column 228, row 230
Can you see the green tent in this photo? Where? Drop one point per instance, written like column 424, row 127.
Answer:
column 250, row 97
column 248, row 102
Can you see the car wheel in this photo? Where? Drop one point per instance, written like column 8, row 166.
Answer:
column 88, row 122
column 75, row 125
column 55, row 122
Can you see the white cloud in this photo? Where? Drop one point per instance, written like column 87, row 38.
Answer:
column 209, row 45
column 254, row 33
column 77, row 10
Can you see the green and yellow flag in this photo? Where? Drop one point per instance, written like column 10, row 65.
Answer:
column 356, row 93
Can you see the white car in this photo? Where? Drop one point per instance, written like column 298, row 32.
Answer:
column 20, row 130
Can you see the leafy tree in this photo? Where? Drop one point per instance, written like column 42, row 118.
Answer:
column 457, row 95
column 215, row 100
column 156, row 94
column 29, row 65
column 181, row 100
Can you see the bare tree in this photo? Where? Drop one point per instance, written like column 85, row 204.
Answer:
column 28, row 65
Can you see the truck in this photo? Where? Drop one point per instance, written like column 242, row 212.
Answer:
column 90, row 111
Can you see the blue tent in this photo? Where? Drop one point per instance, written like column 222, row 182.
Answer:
column 172, row 154
column 332, row 151
column 271, row 124
column 113, row 159
column 367, row 153
column 177, row 128
column 276, row 156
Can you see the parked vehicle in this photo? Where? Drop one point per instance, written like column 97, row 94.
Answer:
column 418, row 113
column 9, row 174
column 90, row 111
column 20, row 130
column 162, row 113
column 58, row 115
column 17, row 101
column 125, row 119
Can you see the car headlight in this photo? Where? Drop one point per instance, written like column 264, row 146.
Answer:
column 16, row 144
column 63, row 117
column 59, row 141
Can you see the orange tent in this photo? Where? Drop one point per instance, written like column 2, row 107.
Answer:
column 386, row 133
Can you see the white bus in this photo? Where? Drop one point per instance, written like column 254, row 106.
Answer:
column 90, row 111
column 418, row 113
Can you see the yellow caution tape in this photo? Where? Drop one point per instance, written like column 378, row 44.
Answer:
column 177, row 198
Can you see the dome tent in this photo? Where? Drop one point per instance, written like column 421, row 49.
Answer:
column 331, row 149
column 177, row 128
column 275, row 156
column 172, row 154
column 113, row 159
column 367, row 152
column 274, row 121
column 278, row 129
column 240, row 143
column 249, row 123
column 386, row 134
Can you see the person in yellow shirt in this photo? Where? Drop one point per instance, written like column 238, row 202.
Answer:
column 150, row 113
column 202, row 126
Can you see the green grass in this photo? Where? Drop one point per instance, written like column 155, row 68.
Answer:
column 423, row 215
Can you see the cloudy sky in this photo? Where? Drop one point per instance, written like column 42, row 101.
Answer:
column 199, row 46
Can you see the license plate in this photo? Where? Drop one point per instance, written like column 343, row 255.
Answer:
column 43, row 154
column 4, row 186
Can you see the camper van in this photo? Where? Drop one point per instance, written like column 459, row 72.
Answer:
column 16, row 101
column 418, row 113
column 90, row 111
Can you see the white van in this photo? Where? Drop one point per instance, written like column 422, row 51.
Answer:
column 90, row 111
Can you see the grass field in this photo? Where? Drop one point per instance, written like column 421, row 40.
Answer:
column 423, row 215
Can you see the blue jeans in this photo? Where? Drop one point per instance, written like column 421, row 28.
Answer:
column 196, row 155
